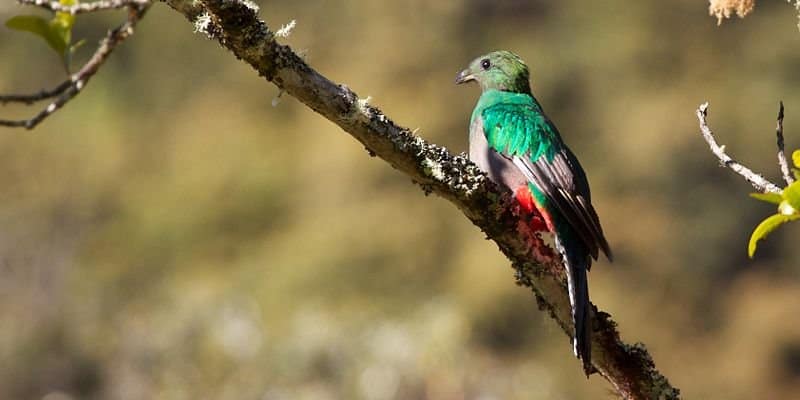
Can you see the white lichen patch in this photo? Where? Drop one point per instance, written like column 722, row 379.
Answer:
column 797, row 7
column 251, row 5
column 363, row 105
column 202, row 22
column 433, row 169
column 277, row 99
column 786, row 209
column 286, row 30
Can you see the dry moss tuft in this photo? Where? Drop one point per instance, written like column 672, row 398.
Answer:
column 725, row 8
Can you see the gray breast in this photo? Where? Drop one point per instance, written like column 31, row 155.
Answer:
column 500, row 169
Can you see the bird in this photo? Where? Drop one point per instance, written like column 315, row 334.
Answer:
column 518, row 146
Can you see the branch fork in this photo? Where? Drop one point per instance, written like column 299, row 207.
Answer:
column 758, row 182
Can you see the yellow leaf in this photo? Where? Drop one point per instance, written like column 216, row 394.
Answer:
column 765, row 227
column 792, row 195
column 774, row 198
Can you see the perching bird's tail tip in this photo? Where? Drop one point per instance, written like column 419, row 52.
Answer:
column 607, row 252
column 585, row 356
column 588, row 369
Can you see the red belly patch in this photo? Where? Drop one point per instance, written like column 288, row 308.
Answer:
column 528, row 209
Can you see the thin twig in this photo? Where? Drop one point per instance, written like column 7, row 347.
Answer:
column 759, row 182
column 784, row 165
column 33, row 98
column 68, row 89
column 80, row 8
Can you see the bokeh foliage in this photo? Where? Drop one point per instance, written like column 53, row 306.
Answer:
column 172, row 235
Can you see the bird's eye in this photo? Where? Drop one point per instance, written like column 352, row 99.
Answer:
column 485, row 63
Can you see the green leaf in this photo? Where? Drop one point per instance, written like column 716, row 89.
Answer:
column 796, row 158
column 42, row 28
column 62, row 23
column 792, row 195
column 31, row 23
column 28, row 23
column 774, row 198
column 57, row 32
column 61, row 28
column 765, row 227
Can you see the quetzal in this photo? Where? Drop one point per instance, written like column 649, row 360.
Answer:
column 513, row 141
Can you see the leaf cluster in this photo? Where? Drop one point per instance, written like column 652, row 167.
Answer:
column 56, row 32
column 788, row 202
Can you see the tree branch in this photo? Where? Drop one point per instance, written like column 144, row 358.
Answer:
column 782, row 163
column 70, row 88
column 33, row 98
column 81, row 8
column 235, row 24
column 759, row 182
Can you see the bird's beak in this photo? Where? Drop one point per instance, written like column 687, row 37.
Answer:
column 464, row 76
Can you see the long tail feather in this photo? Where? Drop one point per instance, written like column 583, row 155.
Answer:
column 577, row 261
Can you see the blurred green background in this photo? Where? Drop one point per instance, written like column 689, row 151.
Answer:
column 171, row 235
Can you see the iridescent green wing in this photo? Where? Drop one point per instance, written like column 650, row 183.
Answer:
column 518, row 129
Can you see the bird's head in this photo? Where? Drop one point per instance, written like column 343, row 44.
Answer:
column 499, row 70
